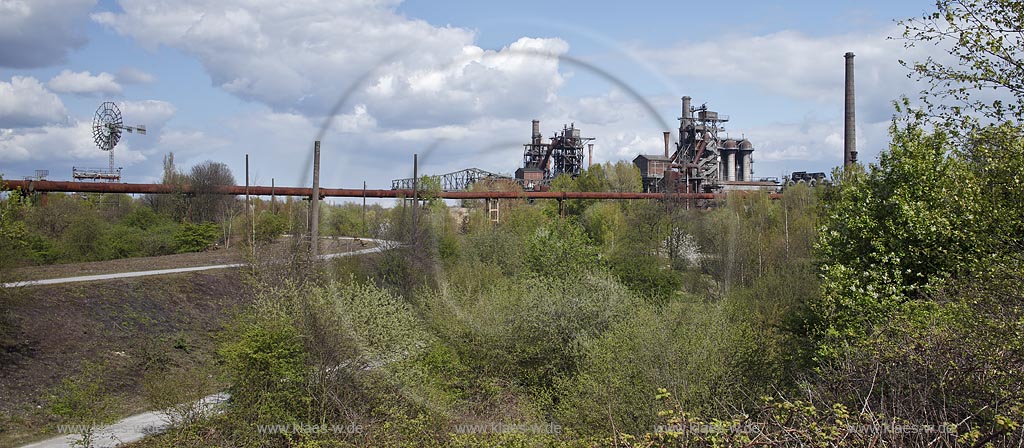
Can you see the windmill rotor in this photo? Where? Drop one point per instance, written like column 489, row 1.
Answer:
column 107, row 126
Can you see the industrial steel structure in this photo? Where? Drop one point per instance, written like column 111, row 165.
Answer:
column 454, row 181
column 702, row 162
column 563, row 154
column 106, row 132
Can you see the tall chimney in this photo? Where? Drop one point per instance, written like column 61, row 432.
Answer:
column 536, row 131
column 668, row 137
column 590, row 159
column 686, row 112
column 850, row 128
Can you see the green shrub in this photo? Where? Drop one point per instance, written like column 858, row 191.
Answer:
column 265, row 361
column 124, row 242
column 60, row 211
column 447, row 247
column 195, row 237
column 160, row 240
column 142, row 217
column 528, row 329
column 42, row 250
column 708, row 353
column 83, row 238
column 496, row 247
column 647, row 277
column 560, row 249
column 343, row 220
column 269, row 226
column 84, row 399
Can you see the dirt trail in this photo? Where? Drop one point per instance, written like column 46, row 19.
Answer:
column 169, row 264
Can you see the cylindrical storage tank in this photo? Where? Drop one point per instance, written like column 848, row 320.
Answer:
column 729, row 147
column 748, row 165
column 730, row 165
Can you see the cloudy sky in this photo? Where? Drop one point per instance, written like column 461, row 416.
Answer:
column 456, row 81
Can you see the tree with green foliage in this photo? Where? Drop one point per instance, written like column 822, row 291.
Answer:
column 604, row 222
column 51, row 221
column 921, row 279
column 344, row 220
column 622, row 176
column 903, row 230
column 429, row 190
column 12, row 227
column 560, row 249
column 985, row 39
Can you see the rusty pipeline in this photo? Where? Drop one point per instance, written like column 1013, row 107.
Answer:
column 44, row 186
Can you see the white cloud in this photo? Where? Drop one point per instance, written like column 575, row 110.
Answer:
column 58, row 143
column 812, row 145
column 25, row 102
column 604, row 109
column 627, row 145
column 188, row 145
column 803, row 67
column 84, row 83
column 132, row 75
column 357, row 121
column 303, row 56
column 40, row 33
column 152, row 113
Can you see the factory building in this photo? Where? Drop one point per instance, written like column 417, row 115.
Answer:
column 652, row 170
column 543, row 161
column 701, row 162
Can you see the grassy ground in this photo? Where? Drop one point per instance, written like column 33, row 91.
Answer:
column 132, row 326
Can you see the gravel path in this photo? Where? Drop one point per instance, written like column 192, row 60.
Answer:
column 380, row 245
column 128, row 430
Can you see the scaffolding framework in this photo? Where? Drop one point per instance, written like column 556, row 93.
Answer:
column 455, row 181
column 96, row 174
column 562, row 154
column 698, row 155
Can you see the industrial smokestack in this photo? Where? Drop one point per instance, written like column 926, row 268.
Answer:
column 590, row 158
column 686, row 111
column 536, row 131
column 668, row 137
column 850, row 128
